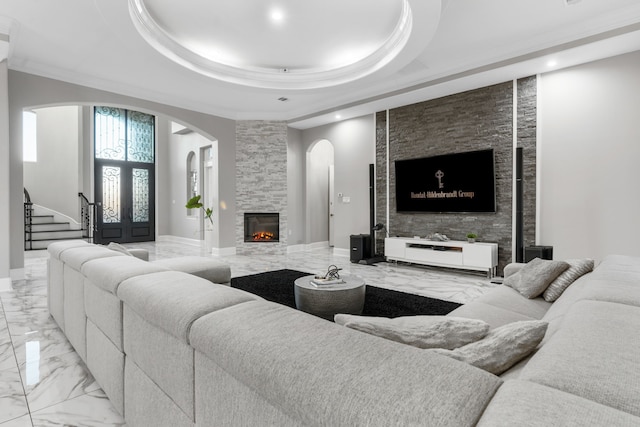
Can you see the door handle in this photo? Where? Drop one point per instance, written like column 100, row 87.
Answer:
column 130, row 215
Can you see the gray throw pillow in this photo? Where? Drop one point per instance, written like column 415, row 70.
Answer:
column 419, row 331
column 118, row 248
column 502, row 348
column 535, row 276
column 577, row 268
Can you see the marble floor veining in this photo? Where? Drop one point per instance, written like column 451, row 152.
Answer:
column 43, row 382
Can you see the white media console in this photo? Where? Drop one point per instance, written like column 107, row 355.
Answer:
column 453, row 254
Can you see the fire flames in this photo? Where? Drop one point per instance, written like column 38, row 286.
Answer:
column 263, row 235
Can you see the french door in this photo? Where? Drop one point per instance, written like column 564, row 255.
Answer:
column 124, row 166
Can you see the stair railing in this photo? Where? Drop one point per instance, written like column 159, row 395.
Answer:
column 87, row 218
column 28, row 221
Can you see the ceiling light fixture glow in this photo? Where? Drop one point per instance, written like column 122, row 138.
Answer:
column 277, row 15
column 552, row 63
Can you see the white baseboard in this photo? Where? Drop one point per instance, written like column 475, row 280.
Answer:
column 223, row 251
column 341, row 252
column 197, row 243
column 296, row 248
column 176, row 239
column 16, row 274
column 317, row 245
column 5, row 284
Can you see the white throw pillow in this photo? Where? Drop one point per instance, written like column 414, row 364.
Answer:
column 118, row 248
column 578, row 268
column 535, row 276
column 419, row 331
column 502, row 348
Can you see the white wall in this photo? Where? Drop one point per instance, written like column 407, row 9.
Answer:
column 354, row 143
column 53, row 181
column 589, row 124
column 5, row 187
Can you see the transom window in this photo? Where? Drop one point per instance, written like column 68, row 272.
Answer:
column 124, row 135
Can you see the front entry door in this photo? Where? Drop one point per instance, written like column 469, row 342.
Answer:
column 125, row 202
column 124, row 166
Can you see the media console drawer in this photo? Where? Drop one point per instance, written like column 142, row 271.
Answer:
column 429, row 254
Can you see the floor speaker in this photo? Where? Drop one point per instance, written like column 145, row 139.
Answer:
column 519, row 206
column 360, row 247
column 542, row 252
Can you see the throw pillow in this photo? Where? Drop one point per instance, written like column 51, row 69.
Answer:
column 419, row 331
column 502, row 348
column 577, row 268
column 118, row 248
column 535, row 276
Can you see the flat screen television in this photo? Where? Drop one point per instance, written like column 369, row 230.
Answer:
column 461, row 182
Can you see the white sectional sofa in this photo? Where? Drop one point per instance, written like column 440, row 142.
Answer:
column 173, row 349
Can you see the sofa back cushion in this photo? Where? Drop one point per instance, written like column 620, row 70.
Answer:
column 594, row 354
column 172, row 300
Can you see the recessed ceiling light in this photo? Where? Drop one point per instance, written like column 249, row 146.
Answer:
column 552, row 63
column 276, row 15
column 338, row 116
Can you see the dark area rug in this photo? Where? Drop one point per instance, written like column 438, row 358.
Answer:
column 277, row 286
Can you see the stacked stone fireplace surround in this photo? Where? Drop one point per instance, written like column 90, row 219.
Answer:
column 261, row 180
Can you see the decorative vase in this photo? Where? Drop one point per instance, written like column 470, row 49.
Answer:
column 208, row 241
column 471, row 240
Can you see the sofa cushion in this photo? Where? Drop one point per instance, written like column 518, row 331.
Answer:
column 172, row 300
column 523, row 403
column 494, row 316
column 109, row 273
column 207, row 268
column 118, row 248
column 509, row 299
column 56, row 248
column 76, row 257
column 325, row 374
column 419, row 331
column 502, row 348
column 594, row 355
column 535, row 276
column 577, row 268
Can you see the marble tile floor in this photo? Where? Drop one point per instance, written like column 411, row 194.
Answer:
column 43, row 382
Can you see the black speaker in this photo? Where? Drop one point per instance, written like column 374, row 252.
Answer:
column 542, row 252
column 519, row 206
column 360, row 247
column 372, row 212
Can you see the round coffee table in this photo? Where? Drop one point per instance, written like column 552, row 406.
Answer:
column 327, row 300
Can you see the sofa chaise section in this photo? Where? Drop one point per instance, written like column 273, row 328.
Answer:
column 158, row 311
column 264, row 361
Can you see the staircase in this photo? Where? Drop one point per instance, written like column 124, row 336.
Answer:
column 45, row 229
column 42, row 226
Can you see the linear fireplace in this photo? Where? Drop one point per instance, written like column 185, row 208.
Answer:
column 262, row 227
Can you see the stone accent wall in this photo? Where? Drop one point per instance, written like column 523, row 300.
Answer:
column 261, row 180
column 468, row 121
